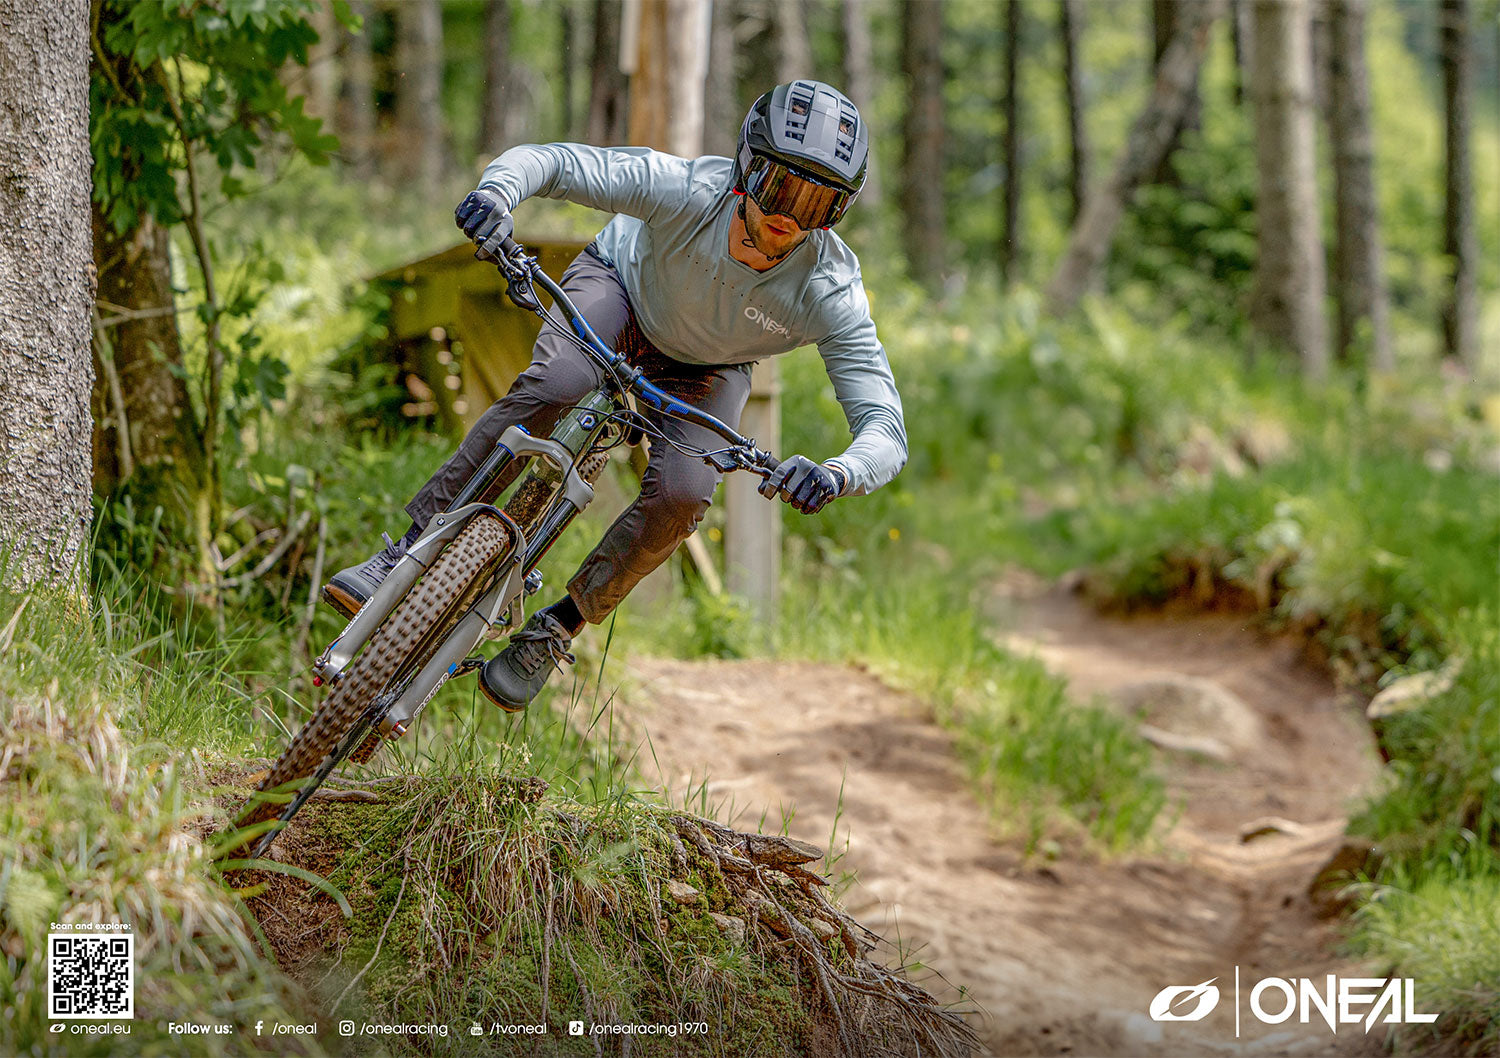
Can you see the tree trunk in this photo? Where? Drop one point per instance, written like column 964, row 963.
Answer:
column 359, row 94
column 1150, row 138
column 497, row 87
column 46, row 291
column 666, row 84
column 1166, row 15
column 923, row 138
column 567, row 17
column 1290, row 283
column 859, row 82
column 1070, row 15
column 419, row 49
column 606, row 124
column 1010, row 242
column 793, row 52
column 1238, row 43
column 722, row 112
column 1460, row 239
column 323, row 68
column 1359, row 264
column 140, row 385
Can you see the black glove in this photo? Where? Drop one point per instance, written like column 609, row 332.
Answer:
column 481, row 213
column 806, row 485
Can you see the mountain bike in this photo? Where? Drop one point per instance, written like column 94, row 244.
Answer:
column 465, row 579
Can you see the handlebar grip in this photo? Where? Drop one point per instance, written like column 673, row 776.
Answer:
column 770, row 464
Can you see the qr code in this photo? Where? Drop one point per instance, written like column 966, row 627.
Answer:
column 90, row 977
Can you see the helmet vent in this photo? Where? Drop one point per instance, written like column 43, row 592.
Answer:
column 848, row 122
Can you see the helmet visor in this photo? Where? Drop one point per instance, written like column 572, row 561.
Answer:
column 779, row 189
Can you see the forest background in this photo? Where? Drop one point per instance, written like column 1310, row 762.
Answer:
column 1196, row 300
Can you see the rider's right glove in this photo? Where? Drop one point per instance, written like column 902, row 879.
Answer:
column 807, row 486
column 481, row 213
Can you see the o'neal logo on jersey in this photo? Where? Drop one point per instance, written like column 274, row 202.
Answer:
column 754, row 315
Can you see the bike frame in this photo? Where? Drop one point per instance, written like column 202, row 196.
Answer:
column 499, row 609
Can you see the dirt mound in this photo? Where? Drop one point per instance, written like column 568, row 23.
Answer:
column 1064, row 956
column 477, row 898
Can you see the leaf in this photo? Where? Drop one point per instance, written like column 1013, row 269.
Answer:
column 315, row 880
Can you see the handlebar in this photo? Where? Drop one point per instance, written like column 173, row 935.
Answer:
column 522, row 271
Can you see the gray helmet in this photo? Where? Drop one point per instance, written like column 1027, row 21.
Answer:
column 810, row 126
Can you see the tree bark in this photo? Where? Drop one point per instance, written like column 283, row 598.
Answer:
column 1359, row 264
column 606, row 124
column 1151, row 136
column 859, row 81
column 138, row 336
column 793, row 52
column 359, row 93
column 666, row 84
column 420, row 94
column 324, row 71
column 497, row 87
column 1010, row 242
column 1070, row 15
column 46, row 291
column 1460, row 237
column 1166, row 15
column 1290, row 283
column 923, row 140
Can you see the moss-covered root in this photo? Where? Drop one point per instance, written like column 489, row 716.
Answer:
column 475, row 903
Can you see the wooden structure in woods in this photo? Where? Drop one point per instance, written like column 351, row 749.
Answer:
column 461, row 343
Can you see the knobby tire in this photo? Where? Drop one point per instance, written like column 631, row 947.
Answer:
column 394, row 647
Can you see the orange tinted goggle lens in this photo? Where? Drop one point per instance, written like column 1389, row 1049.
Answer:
column 778, row 190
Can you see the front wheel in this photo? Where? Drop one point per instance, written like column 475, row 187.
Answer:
column 400, row 646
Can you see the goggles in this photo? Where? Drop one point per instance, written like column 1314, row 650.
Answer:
column 780, row 189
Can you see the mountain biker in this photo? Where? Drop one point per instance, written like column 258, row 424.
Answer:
column 709, row 265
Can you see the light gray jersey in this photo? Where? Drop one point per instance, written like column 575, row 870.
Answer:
column 696, row 303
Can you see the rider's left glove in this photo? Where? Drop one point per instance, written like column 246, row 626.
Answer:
column 481, row 213
column 806, row 485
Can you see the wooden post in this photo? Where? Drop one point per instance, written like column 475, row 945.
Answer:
column 752, row 531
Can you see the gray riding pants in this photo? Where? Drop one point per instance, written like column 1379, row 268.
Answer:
column 675, row 490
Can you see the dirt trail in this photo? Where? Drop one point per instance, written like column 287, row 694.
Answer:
column 1060, row 957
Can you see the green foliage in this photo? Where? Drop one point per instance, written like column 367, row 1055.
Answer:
column 192, row 75
column 1443, row 932
column 1439, row 814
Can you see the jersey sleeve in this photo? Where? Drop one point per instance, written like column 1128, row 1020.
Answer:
column 636, row 181
column 866, row 390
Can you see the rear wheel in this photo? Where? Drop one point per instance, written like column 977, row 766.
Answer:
column 401, row 645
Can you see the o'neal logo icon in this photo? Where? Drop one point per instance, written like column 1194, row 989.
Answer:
column 1185, row 1002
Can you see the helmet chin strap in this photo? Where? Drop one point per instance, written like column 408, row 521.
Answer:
column 747, row 241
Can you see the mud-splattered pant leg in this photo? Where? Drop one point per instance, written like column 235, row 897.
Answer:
column 675, row 490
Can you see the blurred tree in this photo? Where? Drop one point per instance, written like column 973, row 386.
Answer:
column 859, row 80
column 721, row 104
column 923, row 212
column 1460, row 237
column 1287, row 305
column 1165, row 18
column 1239, row 42
column 46, row 287
column 359, row 95
column 1070, row 16
column 567, row 32
column 324, row 68
column 667, row 76
column 498, row 98
column 1010, row 147
column 793, row 52
column 419, row 97
column 1359, row 262
column 606, row 123
column 1151, row 136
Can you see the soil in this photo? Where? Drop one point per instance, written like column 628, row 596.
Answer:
column 1061, row 955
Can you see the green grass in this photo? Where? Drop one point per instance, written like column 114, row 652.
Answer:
column 1444, row 932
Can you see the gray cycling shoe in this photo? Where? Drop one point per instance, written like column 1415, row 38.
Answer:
column 513, row 677
column 349, row 589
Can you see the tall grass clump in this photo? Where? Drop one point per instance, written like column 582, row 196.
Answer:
column 96, row 827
